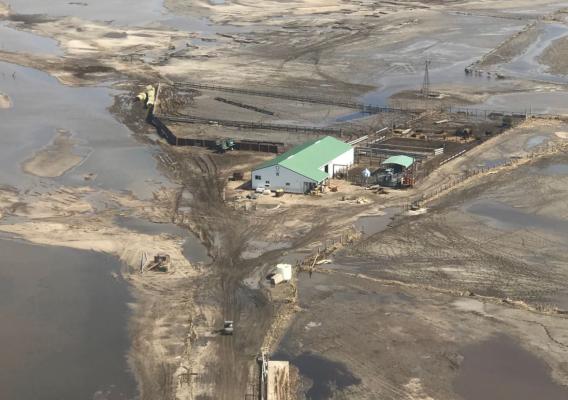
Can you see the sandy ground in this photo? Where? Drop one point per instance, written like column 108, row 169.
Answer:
column 55, row 159
column 5, row 101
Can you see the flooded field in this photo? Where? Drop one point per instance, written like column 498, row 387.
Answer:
column 325, row 375
column 64, row 325
column 41, row 106
column 505, row 216
column 380, row 320
column 553, row 170
column 12, row 39
column 451, row 50
column 528, row 66
column 500, row 369
column 123, row 12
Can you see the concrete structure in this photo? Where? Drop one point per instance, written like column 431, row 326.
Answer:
column 304, row 167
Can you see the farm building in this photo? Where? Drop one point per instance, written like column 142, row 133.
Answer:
column 396, row 171
column 304, row 167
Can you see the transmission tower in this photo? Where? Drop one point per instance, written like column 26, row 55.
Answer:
column 426, row 83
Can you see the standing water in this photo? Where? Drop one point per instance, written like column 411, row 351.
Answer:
column 63, row 333
column 499, row 369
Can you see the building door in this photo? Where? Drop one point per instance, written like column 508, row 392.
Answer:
column 308, row 186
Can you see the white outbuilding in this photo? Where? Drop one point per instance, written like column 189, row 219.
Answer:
column 304, row 167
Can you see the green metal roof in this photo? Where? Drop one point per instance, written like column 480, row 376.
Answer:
column 405, row 161
column 307, row 158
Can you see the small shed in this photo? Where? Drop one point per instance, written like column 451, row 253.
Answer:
column 398, row 163
column 304, row 167
column 396, row 171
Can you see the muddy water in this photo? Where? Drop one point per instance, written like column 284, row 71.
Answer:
column 62, row 325
column 505, row 216
column 326, row 375
column 14, row 40
column 121, row 12
column 41, row 106
column 451, row 50
column 500, row 369
column 527, row 65
column 536, row 141
column 554, row 170
column 531, row 102
column 370, row 224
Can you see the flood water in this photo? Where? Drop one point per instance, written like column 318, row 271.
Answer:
column 41, row 106
column 500, row 369
column 63, row 316
column 527, row 65
column 14, row 40
column 536, row 141
column 504, row 216
column 122, row 12
column 326, row 375
column 451, row 50
column 370, row 224
column 62, row 325
column 554, row 170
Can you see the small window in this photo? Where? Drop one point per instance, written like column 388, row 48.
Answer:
column 287, row 183
column 257, row 177
column 278, row 174
column 268, row 182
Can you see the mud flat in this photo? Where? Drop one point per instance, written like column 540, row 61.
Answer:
column 485, row 268
column 64, row 322
column 55, row 159
column 555, row 57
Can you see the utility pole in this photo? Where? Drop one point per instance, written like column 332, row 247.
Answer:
column 426, row 83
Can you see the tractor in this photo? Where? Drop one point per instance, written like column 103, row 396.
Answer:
column 225, row 145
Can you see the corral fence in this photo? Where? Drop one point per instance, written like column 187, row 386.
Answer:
column 470, row 173
column 366, row 108
column 248, row 145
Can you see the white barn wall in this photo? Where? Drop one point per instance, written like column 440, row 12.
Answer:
column 338, row 163
column 279, row 182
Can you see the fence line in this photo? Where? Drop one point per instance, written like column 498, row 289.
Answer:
column 470, row 173
column 251, row 125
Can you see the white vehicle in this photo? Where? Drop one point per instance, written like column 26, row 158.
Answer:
column 228, row 328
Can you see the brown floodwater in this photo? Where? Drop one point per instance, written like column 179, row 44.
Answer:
column 63, row 325
column 371, row 224
column 500, row 369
